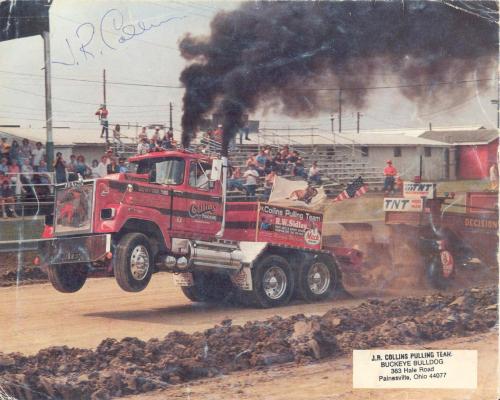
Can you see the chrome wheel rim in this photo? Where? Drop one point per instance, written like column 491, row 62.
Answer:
column 139, row 262
column 275, row 282
column 318, row 278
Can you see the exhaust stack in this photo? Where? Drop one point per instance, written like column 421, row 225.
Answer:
column 224, row 190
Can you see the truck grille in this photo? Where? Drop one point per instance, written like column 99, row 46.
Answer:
column 74, row 209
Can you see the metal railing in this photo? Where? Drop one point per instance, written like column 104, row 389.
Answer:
column 32, row 194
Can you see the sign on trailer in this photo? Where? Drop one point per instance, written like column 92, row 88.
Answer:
column 402, row 204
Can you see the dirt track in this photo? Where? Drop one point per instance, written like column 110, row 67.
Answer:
column 36, row 316
column 332, row 379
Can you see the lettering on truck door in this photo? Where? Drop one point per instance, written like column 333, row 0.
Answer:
column 201, row 202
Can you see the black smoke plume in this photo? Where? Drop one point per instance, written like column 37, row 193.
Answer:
column 277, row 54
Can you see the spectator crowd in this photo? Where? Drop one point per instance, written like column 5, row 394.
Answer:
column 265, row 165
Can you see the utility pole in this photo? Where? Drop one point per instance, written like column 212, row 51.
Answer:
column 170, row 127
column 49, row 146
column 497, row 101
column 357, row 121
column 340, row 110
column 332, row 119
column 104, row 87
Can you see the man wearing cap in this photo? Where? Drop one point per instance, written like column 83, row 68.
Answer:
column 390, row 173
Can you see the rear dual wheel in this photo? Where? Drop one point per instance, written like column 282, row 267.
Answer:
column 318, row 278
column 209, row 287
column 273, row 283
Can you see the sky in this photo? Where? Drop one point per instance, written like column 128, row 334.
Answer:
column 143, row 74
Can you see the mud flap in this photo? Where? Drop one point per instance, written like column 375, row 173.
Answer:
column 183, row 279
column 243, row 279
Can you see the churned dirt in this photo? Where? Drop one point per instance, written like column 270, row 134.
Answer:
column 332, row 379
column 17, row 269
column 132, row 366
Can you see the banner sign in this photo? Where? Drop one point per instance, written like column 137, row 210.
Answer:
column 24, row 18
column 403, row 205
column 424, row 189
column 289, row 226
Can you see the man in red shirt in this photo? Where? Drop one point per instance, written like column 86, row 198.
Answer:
column 103, row 113
column 390, row 173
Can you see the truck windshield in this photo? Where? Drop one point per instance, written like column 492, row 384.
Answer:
column 166, row 171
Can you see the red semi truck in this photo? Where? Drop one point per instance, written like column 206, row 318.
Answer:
column 171, row 214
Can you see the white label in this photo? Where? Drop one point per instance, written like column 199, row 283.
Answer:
column 243, row 279
column 418, row 190
column 183, row 279
column 403, row 205
column 432, row 369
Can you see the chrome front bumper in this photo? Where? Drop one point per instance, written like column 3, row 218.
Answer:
column 76, row 249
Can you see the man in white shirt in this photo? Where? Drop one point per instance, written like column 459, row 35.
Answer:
column 143, row 146
column 251, row 175
column 38, row 155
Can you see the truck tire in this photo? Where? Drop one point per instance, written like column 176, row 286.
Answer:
column 435, row 273
column 273, row 283
column 133, row 264
column 317, row 279
column 209, row 288
column 67, row 278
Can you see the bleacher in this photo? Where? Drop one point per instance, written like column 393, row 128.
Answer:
column 338, row 168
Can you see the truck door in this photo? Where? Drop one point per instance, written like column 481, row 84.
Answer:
column 201, row 202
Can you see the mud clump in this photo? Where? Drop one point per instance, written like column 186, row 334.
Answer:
column 19, row 272
column 25, row 275
column 132, row 366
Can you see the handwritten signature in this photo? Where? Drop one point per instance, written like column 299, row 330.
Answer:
column 113, row 31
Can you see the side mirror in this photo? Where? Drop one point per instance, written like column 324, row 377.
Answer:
column 216, row 172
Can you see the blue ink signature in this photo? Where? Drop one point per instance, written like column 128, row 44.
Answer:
column 112, row 24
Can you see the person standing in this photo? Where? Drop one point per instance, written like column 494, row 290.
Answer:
column 390, row 173
column 60, row 169
column 103, row 113
column 5, row 148
column 14, row 151
column 7, row 198
column 38, row 155
column 251, row 175
column 25, row 152
column 493, row 172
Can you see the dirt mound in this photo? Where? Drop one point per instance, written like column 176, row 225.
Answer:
column 15, row 271
column 117, row 368
column 25, row 275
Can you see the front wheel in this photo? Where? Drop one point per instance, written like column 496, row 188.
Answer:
column 273, row 283
column 318, row 279
column 67, row 278
column 440, row 270
column 133, row 262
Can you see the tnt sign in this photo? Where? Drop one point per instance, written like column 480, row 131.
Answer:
column 411, row 189
column 402, row 204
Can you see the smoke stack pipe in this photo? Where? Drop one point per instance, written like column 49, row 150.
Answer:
column 224, row 194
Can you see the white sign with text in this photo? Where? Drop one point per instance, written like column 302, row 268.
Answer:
column 402, row 204
column 418, row 190
column 426, row 369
